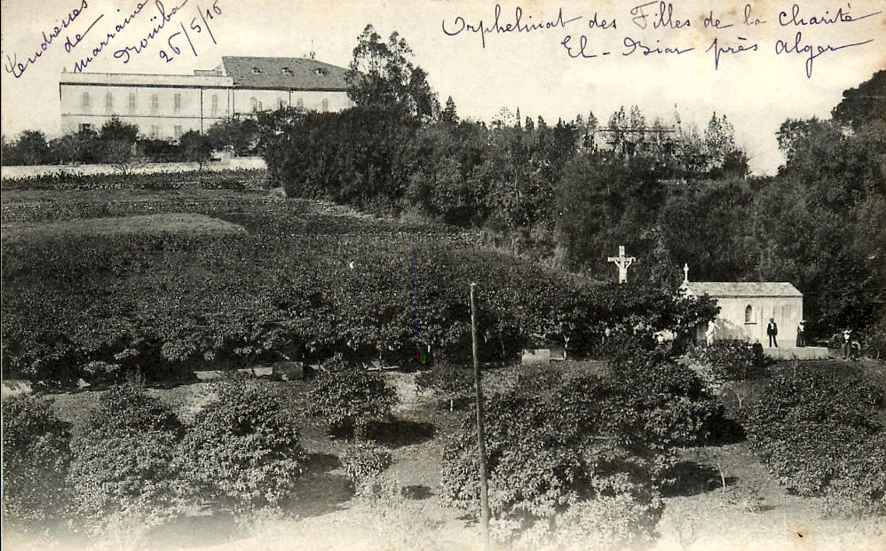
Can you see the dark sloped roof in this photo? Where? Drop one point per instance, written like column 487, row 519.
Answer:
column 743, row 289
column 291, row 73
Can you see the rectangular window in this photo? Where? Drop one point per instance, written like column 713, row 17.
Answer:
column 214, row 104
column 155, row 131
column 155, row 103
column 85, row 100
column 178, row 131
column 132, row 101
column 109, row 102
column 325, row 104
column 177, row 103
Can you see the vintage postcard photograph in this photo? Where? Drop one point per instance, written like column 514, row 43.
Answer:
column 443, row 275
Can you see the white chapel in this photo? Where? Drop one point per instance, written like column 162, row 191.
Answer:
column 746, row 307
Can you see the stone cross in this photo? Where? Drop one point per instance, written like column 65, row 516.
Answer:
column 685, row 274
column 623, row 262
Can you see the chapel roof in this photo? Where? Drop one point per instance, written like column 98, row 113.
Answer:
column 293, row 73
column 742, row 289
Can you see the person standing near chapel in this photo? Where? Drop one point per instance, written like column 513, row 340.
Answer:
column 801, row 334
column 772, row 332
column 847, row 343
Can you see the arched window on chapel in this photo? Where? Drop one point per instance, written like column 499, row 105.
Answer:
column 749, row 314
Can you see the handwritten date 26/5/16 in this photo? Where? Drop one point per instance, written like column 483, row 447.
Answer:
column 198, row 24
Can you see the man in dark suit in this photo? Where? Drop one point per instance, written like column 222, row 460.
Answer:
column 772, row 331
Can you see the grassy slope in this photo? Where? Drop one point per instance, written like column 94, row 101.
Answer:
column 192, row 224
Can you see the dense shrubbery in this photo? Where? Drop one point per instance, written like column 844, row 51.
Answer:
column 554, row 445
column 660, row 397
column 132, row 466
column 348, row 396
column 119, row 142
column 727, row 361
column 605, row 523
column 121, row 470
column 446, row 381
column 36, row 455
column 295, row 141
column 568, row 192
column 243, row 449
column 302, row 286
column 237, row 180
column 817, row 431
column 363, row 463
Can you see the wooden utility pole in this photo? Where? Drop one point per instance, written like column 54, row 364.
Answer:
column 481, row 438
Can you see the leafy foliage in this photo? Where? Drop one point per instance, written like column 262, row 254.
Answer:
column 446, row 381
column 363, row 463
column 725, row 360
column 36, row 455
column 195, row 147
column 662, row 399
column 554, row 444
column 301, row 285
column 347, row 395
column 382, row 75
column 237, row 180
column 817, row 431
column 242, row 450
column 121, row 468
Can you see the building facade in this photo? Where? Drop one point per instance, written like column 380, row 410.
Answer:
column 747, row 307
column 167, row 106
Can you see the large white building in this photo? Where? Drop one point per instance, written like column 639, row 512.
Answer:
column 167, row 106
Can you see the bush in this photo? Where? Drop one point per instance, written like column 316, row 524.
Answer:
column 817, row 431
column 363, row 463
column 122, row 471
column 349, row 396
column 553, row 444
column 607, row 523
column 36, row 455
column 662, row 399
column 446, row 381
column 243, row 449
column 727, row 361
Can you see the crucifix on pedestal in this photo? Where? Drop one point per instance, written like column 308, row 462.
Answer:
column 623, row 262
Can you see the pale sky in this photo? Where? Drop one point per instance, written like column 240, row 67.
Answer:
column 532, row 70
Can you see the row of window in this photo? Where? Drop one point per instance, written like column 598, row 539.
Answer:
column 254, row 103
column 86, row 102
